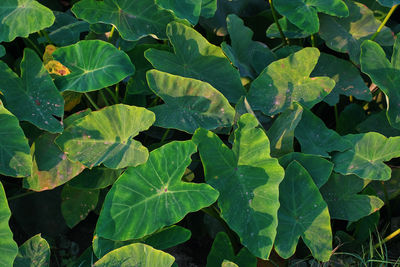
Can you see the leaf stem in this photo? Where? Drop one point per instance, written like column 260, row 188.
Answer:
column 21, row 195
column 313, row 40
column 165, row 135
column 384, row 22
column 91, row 101
column 389, row 237
column 34, row 46
column 104, row 98
column 285, row 41
column 111, row 34
column 46, row 36
column 115, row 98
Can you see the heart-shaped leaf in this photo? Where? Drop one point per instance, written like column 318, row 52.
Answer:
column 15, row 159
column 366, row 156
column 19, row 18
column 93, row 64
column 288, row 29
column 133, row 19
column 247, row 179
column 105, row 136
column 303, row 213
column 188, row 103
column 150, row 196
column 34, row 252
column 196, row 58
column 33, row 97
column 287, row 80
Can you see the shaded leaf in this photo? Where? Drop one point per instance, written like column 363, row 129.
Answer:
column 96, row 178
column 208, row 8
column 2, row 51
column 289, row 30
column 349, row 118
column 389, row 3
column 34, row 252
column 184, row 9
column 379, row 123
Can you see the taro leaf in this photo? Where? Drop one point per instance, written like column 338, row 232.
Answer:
column 15, row 159
column 287, row 51
column 281, row 133
column 340, row 192
column 385, row 74
column 389, row 3
column 184, row 9
column 51, row 167
column 317, row 167
column 303, row 13
column 346, row 76
column 366, row 156
column 303, row 213
column 247, row 179
column 133, row 19
column 163, row 239
column 2, row 51
column 379, row 123
column 208, row 8
column 19, row 18
column 150, row 196
column 96, row 178
column 135, row 255
column 287, row 80
column 349, row 118
column 243, row 51
column 188, row 103
column 315, row 138
column 345, row 35
column 222, row 249
column 196, row 58
column 77, row 203
column 94, row 64
column 289, row 30
column 34, row 252
column 33, row 97
column 105, row 136
column 227, row 263
column 8, row 247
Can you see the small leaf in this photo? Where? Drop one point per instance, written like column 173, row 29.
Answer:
column 188, row 103
column 150, row 196
column 2, row 51
column 303, row 213
column 34, row 252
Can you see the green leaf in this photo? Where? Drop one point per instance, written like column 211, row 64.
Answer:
column 227, row 263
column 51, row 167
column 303, row 13
column 243, row 51
column 8, row 247
column 222, row 249
column 33, row 97
column 340, row 192
column 188, row 103
column 247, row 178
column 287, row 80
column 150, row 196
column 96, row 178
column 303, row 213
column 105, row 136
column 15, row 159
column 379, row 123
column 317, row 167
column 366, row 156
column 346, row 76
column 385, row 74
column 19, row 18
column 133, row 20
column 389, row 3
column 93, row 64
column 196, row 58
column 281, row 133
column 135, row 255
column 34, row 252
column 345, row 35
column 184, row 9
column 289, row 30
column 349, row 118
column 315, row 138
column 208, row 8
column 77, row 203
column 2, row 51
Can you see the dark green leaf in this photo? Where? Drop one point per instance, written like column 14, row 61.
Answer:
column 379, row 123
column 349, row 118
column 33, row 253
column 389, row 3
column 184, row 9
column 289, row 30
column 96, row 178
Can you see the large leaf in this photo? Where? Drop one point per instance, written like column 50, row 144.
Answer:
column 19, row 18
column 196, row 58
column 185, row 9
column 222, row 249
column 96, row 178
column 379, row 123
column 93, row 64
column 15, row 159
column 315, row 138
column 287, row 80
column 33, row 97
column 340, row 192
column 345, row 35
column 389, row 3
column 150, row 196
column 303, row 13
column 188, row 103
column 366, row 156
column 34, row 252
column 133, row 19
column 136, row 255
column 303, row 213
column 247, row 179
column 105, row 136
column 8, row 247
column 289, row 30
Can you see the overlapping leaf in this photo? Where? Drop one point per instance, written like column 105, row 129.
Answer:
column 247, row 179
column 379, row 123
column 289, row 30
column 196, row 58
column 389, row 3
column 188, row 103
column 34, row 252
column 96, row 178
column 150, row 196
column 287, row 80
column 186, row 9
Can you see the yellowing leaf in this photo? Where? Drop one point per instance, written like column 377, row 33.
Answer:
column 51, row 65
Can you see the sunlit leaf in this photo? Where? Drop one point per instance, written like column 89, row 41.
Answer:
column 34, row 252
